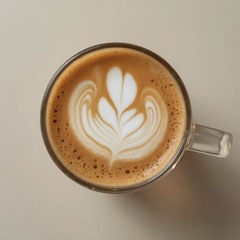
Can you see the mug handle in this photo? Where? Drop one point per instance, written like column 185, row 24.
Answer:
column 209, row 141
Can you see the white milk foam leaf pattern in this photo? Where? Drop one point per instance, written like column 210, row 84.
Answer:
column 118, row 131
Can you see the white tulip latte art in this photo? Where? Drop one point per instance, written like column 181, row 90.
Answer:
column 118, row 130
column 115, row 117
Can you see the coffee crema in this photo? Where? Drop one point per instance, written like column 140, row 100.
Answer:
column 115, row 117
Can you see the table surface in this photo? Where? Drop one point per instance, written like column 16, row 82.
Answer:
column 200, row 199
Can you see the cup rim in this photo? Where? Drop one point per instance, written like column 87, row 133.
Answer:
column 129, row 188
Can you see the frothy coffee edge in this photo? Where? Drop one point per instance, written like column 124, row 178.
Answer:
column 93, row 168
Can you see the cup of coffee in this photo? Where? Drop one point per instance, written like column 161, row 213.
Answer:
column 116, row 117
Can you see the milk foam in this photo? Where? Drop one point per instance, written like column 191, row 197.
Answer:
column 118, row 131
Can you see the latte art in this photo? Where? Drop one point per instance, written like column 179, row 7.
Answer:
column 115, row 117
column 118, row 130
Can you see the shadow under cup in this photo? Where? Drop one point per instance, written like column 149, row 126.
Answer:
column 125, row 188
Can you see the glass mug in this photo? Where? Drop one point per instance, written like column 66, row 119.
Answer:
column 195, row 138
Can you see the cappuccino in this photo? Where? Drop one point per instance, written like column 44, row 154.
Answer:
column 115, row 117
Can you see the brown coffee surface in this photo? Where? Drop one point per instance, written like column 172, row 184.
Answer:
column 86, row 163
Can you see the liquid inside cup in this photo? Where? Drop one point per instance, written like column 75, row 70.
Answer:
column 115, row 117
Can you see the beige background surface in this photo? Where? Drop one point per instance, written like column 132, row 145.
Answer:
column 200, row 199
